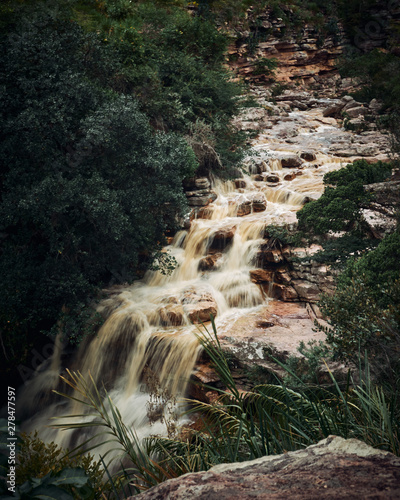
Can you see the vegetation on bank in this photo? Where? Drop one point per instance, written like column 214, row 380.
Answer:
column 238, row 426
column 106, row 107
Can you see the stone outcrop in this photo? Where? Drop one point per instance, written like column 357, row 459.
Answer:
column 291, row 275
column 198, row 191
column 304, row 57
column 334, row 468
column 198, row 305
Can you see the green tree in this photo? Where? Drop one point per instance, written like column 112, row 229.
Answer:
column 88, row 189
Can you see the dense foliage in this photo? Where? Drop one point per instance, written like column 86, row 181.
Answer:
column 363, row 312
column 339, row 209
column 88, row 186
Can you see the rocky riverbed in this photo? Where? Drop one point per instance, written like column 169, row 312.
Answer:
column 300, row 135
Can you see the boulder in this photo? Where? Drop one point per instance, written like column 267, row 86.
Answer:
column 291, row 161
column 198, row 305
column 222, row 237
column 308, row 155
column 375, row 106
column 331, row 469
column 357, row 111
column 244, row 208
column 272, row 178
column 333, row 109
column 240, row 183
column 289, row 177
column 258, row 201
column 171, row 315
column 306, row 290
column 209, row 262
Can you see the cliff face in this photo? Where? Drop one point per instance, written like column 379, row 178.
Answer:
column 300, row 54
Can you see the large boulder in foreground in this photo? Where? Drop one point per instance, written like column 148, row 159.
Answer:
column 333, row 469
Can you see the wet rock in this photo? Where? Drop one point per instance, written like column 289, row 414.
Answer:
column 272, row 178
column 198, row 305
column 209, row 262
column 284, row 292
column 282, row 276
column 204, row 213
column 171, row 315
column 292, row 161
column 259, row 178
column 270, row 255
column 308, row 155
column 222, row 238
column 258, row 201
column 331, row 469
column 261, row 276
column 244, row 208
column 202, row 183
column 201, row 201
column 289, row 177
column 240, row 183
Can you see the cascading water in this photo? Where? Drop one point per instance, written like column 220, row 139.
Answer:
column 150, row 326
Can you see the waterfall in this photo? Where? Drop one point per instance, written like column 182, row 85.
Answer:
column 148, row 337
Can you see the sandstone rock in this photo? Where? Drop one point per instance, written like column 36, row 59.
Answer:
column 308, row 155
column 270, row 255
column 171, row 315
column 258, row 201
column 335, row 468
column 209, row 262
column 357, row 111
column 292, row 161
column 244, row 208
column 202, row 183
column 307, row 291
column 198, row 305
column 333, row 109
column 222, row 237
column 260, row 276
column 289, row 177
column 204, row 213
column 240, row 183
column 202, row 201
column 284, row 292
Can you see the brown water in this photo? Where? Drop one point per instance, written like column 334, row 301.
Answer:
column 149, row 327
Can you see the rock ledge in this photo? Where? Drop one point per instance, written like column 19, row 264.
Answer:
column 335, row 468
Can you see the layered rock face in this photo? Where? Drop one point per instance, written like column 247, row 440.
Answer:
column 299, row 54
column 335, row 468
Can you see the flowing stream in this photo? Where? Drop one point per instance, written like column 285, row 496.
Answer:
column 147, row 343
